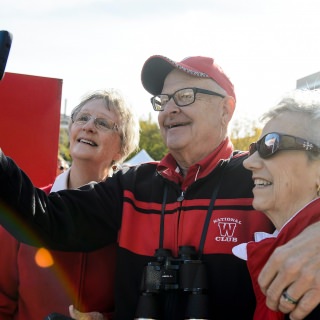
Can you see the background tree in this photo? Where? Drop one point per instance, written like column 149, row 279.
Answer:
column 64, row 144
column 151, row 140
column 243, row 132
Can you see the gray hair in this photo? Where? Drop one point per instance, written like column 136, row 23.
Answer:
column 304, row 102
column 128, row 128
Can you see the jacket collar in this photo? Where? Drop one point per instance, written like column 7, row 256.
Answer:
column 61, row 181
column 169, row 168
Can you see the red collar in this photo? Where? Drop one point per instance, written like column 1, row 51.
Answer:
column 169, row 169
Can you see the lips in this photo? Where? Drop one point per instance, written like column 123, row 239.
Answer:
column 174, row 125
column 261, row 182
column 89, row 142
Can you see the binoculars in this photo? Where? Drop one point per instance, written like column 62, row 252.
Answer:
column 185, row 275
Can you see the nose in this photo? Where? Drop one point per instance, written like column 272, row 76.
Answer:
column 171, row 107
column 253, row 162
column 89, row 125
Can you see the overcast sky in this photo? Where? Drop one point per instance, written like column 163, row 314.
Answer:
column 264, row 46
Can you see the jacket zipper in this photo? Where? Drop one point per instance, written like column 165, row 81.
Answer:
column 181, row 197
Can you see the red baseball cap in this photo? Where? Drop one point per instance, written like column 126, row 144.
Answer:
column 157, row 67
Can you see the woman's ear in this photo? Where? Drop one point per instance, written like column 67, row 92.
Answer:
column 318, row 180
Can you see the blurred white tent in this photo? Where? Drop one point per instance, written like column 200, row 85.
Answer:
column 141, row 157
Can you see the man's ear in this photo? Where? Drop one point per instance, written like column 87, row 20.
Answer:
column 228, row 108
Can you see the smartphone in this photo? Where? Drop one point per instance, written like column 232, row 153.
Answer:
column 5, row 45
column 57, row 316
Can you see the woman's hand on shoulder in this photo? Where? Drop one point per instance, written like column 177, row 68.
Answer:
column 294, row 270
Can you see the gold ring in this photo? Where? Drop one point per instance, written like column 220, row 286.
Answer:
column 288, row 298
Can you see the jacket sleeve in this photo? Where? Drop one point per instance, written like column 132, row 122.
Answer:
column 69, row 220
column 8, row 275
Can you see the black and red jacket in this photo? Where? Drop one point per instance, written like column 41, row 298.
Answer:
column 127, row 208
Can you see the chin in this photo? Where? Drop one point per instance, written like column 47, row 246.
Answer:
column 174, row 143
column 258, row 205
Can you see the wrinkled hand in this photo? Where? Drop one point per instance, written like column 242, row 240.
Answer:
column 75, row 314
column 294, row 267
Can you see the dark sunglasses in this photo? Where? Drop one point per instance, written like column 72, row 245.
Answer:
column 272, row 142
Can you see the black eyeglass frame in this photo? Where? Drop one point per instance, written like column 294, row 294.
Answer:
column 284, row 142
column 170, row 96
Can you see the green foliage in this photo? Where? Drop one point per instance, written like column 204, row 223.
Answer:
column 64, row 144
column 244, row 132
column 151, row 140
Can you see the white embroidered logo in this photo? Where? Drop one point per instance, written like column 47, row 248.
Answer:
column 227, row 227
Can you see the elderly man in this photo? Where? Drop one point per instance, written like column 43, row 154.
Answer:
column 176, row 221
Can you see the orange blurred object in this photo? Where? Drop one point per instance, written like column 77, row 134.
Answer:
column 43, row 258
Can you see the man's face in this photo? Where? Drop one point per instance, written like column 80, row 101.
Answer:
column 193, row 131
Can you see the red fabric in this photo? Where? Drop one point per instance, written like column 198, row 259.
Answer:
column 30, row 122
column 31, row 292
column 199, row 170
column 259, row 252
column 52, row 289
column 157, row 67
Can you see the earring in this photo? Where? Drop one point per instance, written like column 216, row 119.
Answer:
column 115, row 167
column 318, row 191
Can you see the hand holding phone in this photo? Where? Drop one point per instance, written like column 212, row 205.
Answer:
column 5, row 45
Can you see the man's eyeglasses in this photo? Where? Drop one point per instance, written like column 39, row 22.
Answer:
column 104, row 124
column 182, row 97
column 273, row 142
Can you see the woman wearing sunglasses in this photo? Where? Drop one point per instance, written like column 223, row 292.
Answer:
column 285, row 165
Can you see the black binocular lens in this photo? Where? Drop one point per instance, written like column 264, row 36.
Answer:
column 197, row 306
column 148, row 307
